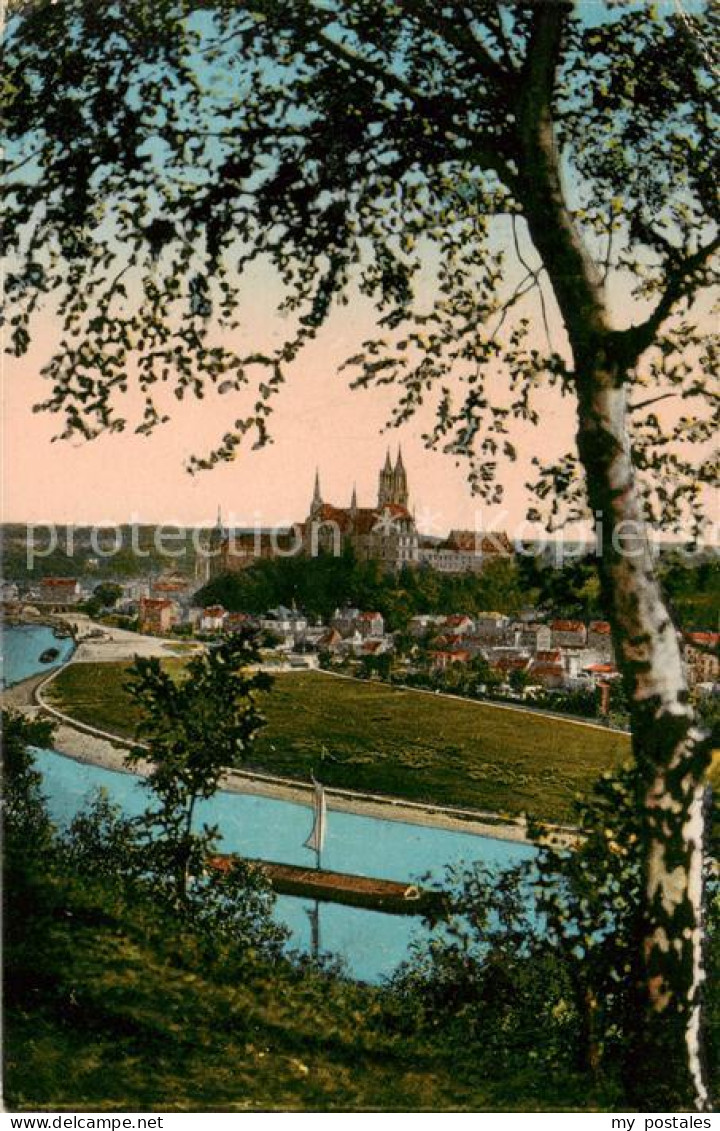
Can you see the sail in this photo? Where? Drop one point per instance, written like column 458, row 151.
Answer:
column 316, row 840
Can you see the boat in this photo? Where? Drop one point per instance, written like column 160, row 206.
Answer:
column 49, row 655
column 390, row 896
column 322, row 885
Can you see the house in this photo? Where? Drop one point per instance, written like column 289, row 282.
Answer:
column 443, row 658
column 134, row 591
column 505, row 665
column 343, row 620
column 491, row 626
column 172, row 586
column 212, row 619
column 157, row 614
column 57, row 592
column 599, row 674
column 375, row 647
column 349, row 621
column 330, row 641
column 286, row 624
column 599, row 638
column 568, row 634
column 702, row 656
column 464, row 551
column 458, row 625
column 532, row 637
column 370, row 625
column 547, row 674
column 423, row 624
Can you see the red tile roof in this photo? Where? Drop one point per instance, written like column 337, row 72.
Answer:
column 364, row 520
column 510, row 663
column 547, row 669
column 456, row 620
column 705, row 639
column 601, row 627
column 457, row 655
column 477, row 542
column 58, row 582
column 567, row 626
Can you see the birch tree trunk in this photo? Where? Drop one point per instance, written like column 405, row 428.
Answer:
column 664, row 1066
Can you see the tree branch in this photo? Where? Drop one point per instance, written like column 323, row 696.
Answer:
column 436, row 109
column 651, row 400
column 429, row 15
column 636, row 339
column 571, row 270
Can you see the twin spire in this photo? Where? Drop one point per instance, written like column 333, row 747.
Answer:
column 392, row 486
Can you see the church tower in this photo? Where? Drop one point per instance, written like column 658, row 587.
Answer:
column 208, row 560
column 317, row 497
column 400, row 487
column 385, row 484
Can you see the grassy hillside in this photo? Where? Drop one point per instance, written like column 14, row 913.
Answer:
column 110, row 1008
column 409, row 744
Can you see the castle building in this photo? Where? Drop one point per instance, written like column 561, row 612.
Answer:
column 385, row 533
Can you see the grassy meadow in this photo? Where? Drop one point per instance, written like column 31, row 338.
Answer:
column 370, row 736
column 110, row 1007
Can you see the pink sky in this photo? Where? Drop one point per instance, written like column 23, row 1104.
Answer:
column 318, row 421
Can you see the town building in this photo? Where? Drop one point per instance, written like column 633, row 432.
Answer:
column 385, row 533
column 464, row 551
column 212, row 619
column 702, row 658
column 568, row 634
column 56, row 594
column 157, row 614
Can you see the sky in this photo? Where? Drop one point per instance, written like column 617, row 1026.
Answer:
column 318, row 423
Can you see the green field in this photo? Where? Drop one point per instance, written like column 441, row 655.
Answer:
column 369, row 736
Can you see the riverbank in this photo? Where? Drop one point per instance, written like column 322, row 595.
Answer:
column 84, row 743
column 110, row 754
column 99, row 643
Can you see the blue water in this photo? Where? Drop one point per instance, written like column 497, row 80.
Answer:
column 371, row 943
column 22, row 646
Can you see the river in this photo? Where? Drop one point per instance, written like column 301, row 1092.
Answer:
column 371, row 943
column 22, row 647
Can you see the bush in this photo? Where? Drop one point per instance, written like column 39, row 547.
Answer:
column 540, row 959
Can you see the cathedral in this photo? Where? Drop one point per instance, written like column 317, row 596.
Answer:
column 385, row 533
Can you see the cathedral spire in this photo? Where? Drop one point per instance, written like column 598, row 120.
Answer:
column 353, row 501
column 399, row 482
column 317, row 497
column 388, row 461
